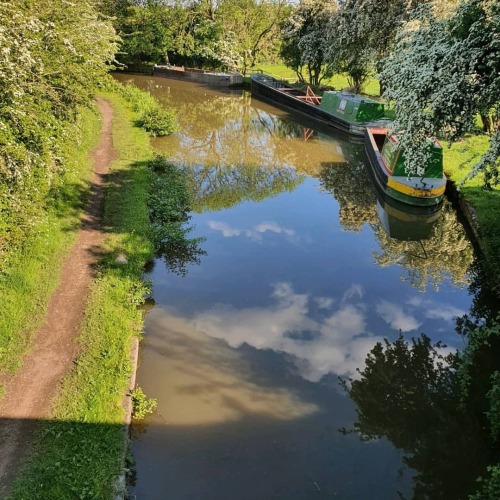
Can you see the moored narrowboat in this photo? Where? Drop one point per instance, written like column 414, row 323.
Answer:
column 212, row 78
column 388, row 170
column 345, row 111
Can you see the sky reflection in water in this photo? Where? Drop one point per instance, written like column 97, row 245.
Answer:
column 300, row 280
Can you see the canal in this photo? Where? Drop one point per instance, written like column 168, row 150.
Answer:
column 300, row 272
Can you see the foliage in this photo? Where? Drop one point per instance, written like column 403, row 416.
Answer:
column 168, row 205
column 304, row 43
column 141, row 404
column 225, row 34
column 146, row 32
column 489, row 486
column 254, row 25
column 158, row 121
column 348, row 51
column 52, row 55
column 441, row 74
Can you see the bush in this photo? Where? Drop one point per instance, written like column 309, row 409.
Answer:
column 158, row 121
column 154, row 118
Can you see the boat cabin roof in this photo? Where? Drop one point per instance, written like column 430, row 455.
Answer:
column 355, row 98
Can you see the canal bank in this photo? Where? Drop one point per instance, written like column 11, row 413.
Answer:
column 79, row 448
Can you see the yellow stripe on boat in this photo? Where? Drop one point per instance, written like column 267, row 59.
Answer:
column 411, row 191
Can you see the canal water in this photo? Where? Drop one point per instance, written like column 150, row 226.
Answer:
column 301, row 271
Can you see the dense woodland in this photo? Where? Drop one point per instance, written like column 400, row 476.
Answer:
column 438, row 64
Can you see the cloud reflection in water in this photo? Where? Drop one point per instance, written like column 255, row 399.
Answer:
column 204, row 382
column 255, row 233
column 336, row 341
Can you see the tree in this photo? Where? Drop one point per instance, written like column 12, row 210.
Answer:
column 349, row 50
column 304, row 44
column 147, row 33
column 254, row 25
column 442, row 73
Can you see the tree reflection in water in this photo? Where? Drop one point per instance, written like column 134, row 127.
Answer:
column 410, row 393
column 215, row 188
column 168, row 207
column 429, row 259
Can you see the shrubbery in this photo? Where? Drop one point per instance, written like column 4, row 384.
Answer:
column 49, row 64
column 158, row 121
column 153, row 117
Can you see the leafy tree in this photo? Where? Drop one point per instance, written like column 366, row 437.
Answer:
column 147, row 32
column 349, row 50
column 442, row 73
column 254, row 25
column 304, row 45
column 52, row 56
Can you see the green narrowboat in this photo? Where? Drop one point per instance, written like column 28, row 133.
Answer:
column 348, row 112
column 387, row 164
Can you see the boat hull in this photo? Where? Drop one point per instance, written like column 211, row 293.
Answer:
column 421, row 192
column 271, row 94
column 199, row 76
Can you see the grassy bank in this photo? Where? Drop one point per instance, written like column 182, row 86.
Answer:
column 78, row 452
column 458, row 160
column 337, row 81
column 30, row 275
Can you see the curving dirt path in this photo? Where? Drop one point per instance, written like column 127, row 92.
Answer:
column 30, row 392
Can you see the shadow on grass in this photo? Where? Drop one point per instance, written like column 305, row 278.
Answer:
column 68, row 460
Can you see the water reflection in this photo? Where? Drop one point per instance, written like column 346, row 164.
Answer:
column 218, row 187
column 431, row 248
column 320, row 335
column 244, row 352
column 445, row 253
column 409, row 392
column 228, row 130
column 209, row 383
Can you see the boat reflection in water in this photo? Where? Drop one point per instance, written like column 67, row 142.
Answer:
column 429, row 244
column 404, row 224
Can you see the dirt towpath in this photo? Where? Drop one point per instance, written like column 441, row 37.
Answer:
column 30, row 392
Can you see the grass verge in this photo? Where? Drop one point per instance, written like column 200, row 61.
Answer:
column 372, row 87
column 458, row 160
column 32, row 273
column 78, row 452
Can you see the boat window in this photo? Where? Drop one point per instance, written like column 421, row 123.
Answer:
column 342, row 104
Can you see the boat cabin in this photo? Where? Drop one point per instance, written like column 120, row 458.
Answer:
column 352, row 107
column 394, row 159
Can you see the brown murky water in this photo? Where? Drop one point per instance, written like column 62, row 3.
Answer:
column 304, row 270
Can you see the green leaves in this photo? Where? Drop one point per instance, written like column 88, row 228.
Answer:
column 52, row 54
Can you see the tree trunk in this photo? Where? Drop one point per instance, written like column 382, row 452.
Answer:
column 381, row 87
column 487, row 124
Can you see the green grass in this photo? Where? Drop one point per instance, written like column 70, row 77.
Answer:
column 32, row 273
column 78, row 453
column 458, row 160
column 337, row 81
